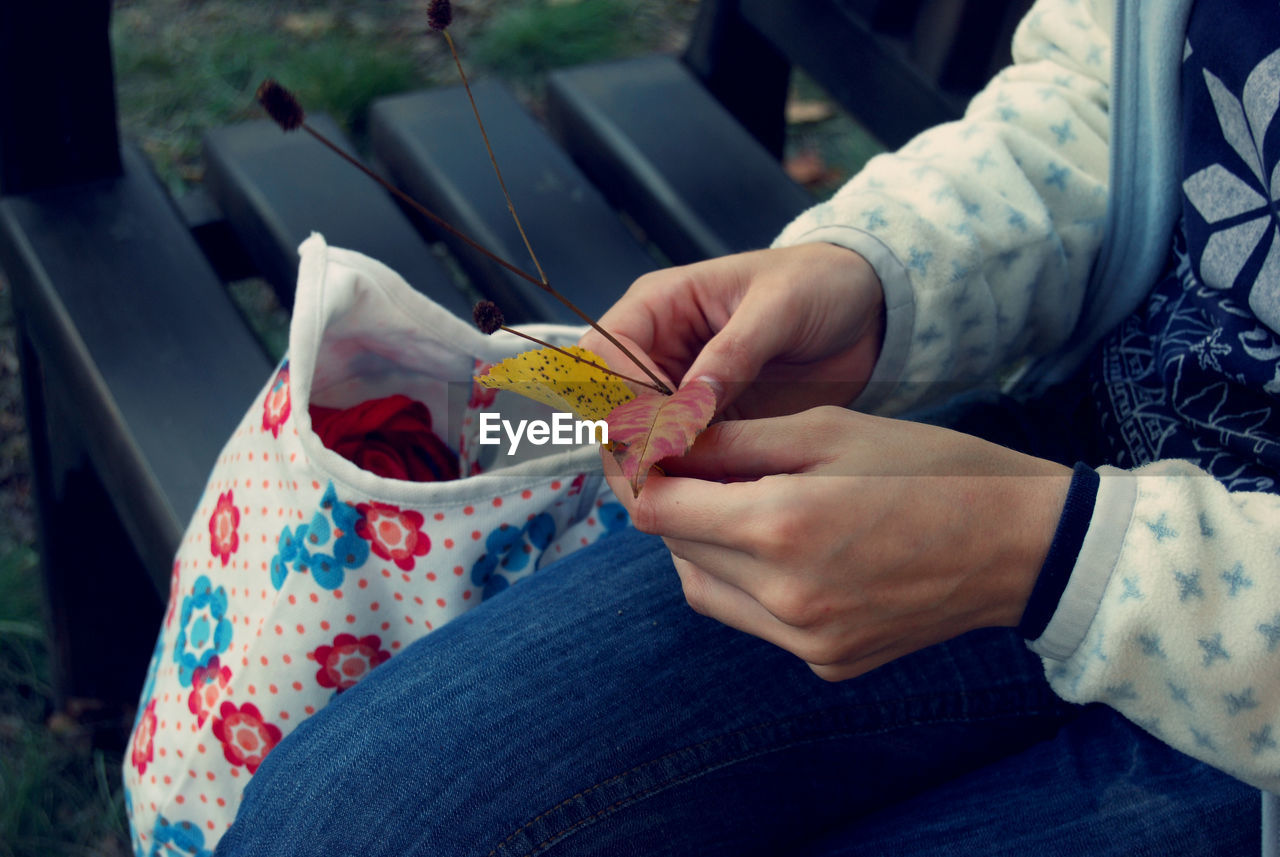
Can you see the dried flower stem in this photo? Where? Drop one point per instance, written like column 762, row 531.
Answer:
column 466, row 85
column 571, row 355
column 544, row 283
column 422, row 209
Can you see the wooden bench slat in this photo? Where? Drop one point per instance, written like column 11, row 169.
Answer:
column 429, row 145
column 647, row 132
column 276, row 188
column 131, row 323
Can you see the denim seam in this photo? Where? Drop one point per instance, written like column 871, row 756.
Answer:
column 1034, row 707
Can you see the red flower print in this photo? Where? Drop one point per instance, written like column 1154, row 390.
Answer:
column 481, row 397
column 223, row 538
column 348, row 660
column 208, row 684
column 144, row 737
column 275, row 409
column 246, row 738
column 395, row 535
column 175, row 598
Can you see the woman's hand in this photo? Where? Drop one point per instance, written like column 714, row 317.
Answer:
column 781, row 330
column 851, row 540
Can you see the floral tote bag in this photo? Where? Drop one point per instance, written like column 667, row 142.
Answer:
column 352, row 512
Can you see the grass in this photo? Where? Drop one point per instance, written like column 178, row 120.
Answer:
column 59, row 796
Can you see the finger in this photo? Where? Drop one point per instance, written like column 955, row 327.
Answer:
column 750, row 449
column 726, row 603
column 749, row 338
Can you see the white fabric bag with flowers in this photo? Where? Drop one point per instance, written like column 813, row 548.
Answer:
column 302, row 570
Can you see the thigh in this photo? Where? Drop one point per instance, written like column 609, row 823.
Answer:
column 1101, row 787
column 588, row 710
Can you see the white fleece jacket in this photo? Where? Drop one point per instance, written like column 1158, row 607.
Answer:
column 1028, row 229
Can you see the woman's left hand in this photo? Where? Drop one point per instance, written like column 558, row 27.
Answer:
column 851, row 540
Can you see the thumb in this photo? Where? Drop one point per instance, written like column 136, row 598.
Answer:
column 734, row 356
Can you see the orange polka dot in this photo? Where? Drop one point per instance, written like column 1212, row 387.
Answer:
column 273, row 688
column 469, row 510
column 310, row 709
column 363, row 584
column 466, row 595
column 263, row 659
column 337, row 593
column 287, row 659
column 179, row 799
column 374, row 606
column 315, row 599
column 417, row 599
column 293, row 600
column 431, row 575
column 408, row 619
column 497, row 501
column 386, row 625
column 448, row 543
column 439, row 516
column 351, row 620
column 301, row 629
column 252, row 690
column 399, row 597
column 284, row 715
column 324, row 624
column 457, row 569
column 526, row 493
column 439, row 602
column 297, row 685
column 475, row 535
column 555, row 486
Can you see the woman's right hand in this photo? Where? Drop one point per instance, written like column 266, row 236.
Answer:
column 781, row 330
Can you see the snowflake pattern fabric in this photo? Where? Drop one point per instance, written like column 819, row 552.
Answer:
column 299, row 574
column 1196, row 373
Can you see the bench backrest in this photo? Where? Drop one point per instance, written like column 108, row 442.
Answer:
column 898, row 66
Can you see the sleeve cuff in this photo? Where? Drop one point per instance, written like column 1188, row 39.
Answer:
column 1095, row 563
column 1077, row 512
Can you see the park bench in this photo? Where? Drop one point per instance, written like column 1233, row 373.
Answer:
column 137, row 365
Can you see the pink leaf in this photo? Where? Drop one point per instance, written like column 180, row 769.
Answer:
column 652, row 427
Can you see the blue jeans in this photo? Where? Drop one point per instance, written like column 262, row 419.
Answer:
column 588, row 710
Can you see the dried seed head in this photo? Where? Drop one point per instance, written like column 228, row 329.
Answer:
column 488, row 316
column 281, row 105
column 439, row 14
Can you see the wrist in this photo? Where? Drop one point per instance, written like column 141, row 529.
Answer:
column 1064, row 550
column 1035, row 513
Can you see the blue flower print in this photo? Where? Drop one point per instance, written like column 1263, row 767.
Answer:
column 181, row 837
column 304, row 549
column 203, row 630
column 614, row 517
column 510, row 549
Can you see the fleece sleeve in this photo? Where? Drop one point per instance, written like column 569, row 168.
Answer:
column 1172, row 616
column 983, row 230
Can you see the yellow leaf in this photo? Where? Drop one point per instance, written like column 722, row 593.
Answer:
column 565, row 384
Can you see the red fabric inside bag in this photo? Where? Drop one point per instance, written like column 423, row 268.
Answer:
column 391, row 437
